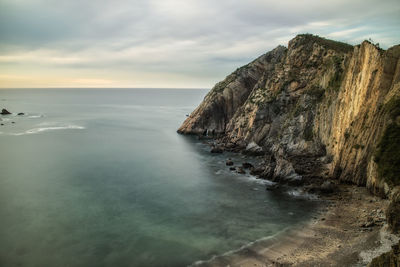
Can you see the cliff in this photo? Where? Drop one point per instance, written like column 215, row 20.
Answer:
column 318, row 108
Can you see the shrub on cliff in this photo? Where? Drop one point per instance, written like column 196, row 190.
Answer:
column 387, row 156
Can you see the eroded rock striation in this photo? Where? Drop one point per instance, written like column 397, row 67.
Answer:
column 317, row 107
column 314, row 110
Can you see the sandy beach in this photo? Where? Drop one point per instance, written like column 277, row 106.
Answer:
column 348, row 230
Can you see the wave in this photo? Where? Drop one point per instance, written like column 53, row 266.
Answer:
column 242, row 248
column 44, row 129
column 299, row 193
column 35, row 116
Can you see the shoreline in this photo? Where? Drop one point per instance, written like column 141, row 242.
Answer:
column 349, row 229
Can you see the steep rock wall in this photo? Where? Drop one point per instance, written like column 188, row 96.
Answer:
column 317, row 99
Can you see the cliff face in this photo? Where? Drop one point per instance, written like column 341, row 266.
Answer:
column 318, row 99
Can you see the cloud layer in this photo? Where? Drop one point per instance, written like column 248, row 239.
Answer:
column 167, row 43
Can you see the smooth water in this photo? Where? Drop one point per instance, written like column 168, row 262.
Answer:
column 95, row 177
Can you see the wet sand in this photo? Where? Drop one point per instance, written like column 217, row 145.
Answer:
column 349, row 230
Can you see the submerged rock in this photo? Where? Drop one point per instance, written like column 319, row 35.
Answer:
column 21, row 114
column 272, row 187
column 247, row 165
column 229, row 162
column 240, row 170
column 5, row 112
column 257, row 171
column 217, row 149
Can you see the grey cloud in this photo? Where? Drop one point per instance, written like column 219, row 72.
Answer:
column 193, row 37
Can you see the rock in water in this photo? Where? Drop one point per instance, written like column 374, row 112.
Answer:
column 21, row 114
column 5, row 112
column 229, row 162
column 257, row 171
column 240, row 170
column 217, row 149
column 247, row 165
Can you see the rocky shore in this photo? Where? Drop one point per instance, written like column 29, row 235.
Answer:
column 349, row 230
column 324, row 116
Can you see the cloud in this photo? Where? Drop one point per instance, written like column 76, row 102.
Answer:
column 193, row 41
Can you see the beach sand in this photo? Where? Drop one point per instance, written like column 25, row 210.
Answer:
column 349, row 230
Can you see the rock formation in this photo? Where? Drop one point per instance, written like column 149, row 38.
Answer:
column 5, row 112
column 389, row 259
column 318, row 107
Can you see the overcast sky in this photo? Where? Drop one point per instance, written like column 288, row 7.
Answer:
column 168, row 43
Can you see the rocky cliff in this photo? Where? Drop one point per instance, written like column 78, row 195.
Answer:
column 316, row 108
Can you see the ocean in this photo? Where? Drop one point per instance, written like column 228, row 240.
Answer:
column 99, row 177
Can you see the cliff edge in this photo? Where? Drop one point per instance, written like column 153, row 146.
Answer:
column 316, row 108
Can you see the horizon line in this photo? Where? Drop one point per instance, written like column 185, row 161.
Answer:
column 180, row 88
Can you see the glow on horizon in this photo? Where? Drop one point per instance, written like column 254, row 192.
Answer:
column 169, row 43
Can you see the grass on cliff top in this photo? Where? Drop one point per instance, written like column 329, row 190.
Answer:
column 329, row 44
column 387, row 155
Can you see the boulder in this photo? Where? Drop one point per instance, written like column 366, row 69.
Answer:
column 254, row 150
column 272, row 187
column 21, row 114
column 328, row 187
column 388, row 259
column 229, row 162
column 257, row 171
column 232, row 168
column 393, row 214
column 5, row 112
column 217, row 149
column 240, row 170
column 268, row 172
column 247, row 165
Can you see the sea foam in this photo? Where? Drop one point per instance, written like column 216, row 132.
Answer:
column 44, row 129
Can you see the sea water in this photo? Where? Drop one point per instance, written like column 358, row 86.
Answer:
column 99, row 177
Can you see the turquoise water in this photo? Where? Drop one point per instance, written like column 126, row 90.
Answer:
column 96, row 177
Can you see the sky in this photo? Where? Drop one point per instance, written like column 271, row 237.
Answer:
column 168, row 43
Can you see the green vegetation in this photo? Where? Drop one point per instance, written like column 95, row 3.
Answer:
column 392, row 107
column 219, row 87
column 329, row 44
column 316, row 91
column 336, row 80
column 308, row 134
column 387, row 155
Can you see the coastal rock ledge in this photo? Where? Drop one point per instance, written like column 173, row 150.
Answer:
column 316, row 108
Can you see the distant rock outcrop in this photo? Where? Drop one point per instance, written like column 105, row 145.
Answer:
column 5, row 112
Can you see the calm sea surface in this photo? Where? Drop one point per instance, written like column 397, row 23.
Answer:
column 96, row 177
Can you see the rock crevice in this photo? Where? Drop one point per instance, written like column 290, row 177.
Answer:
column 317, row 98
